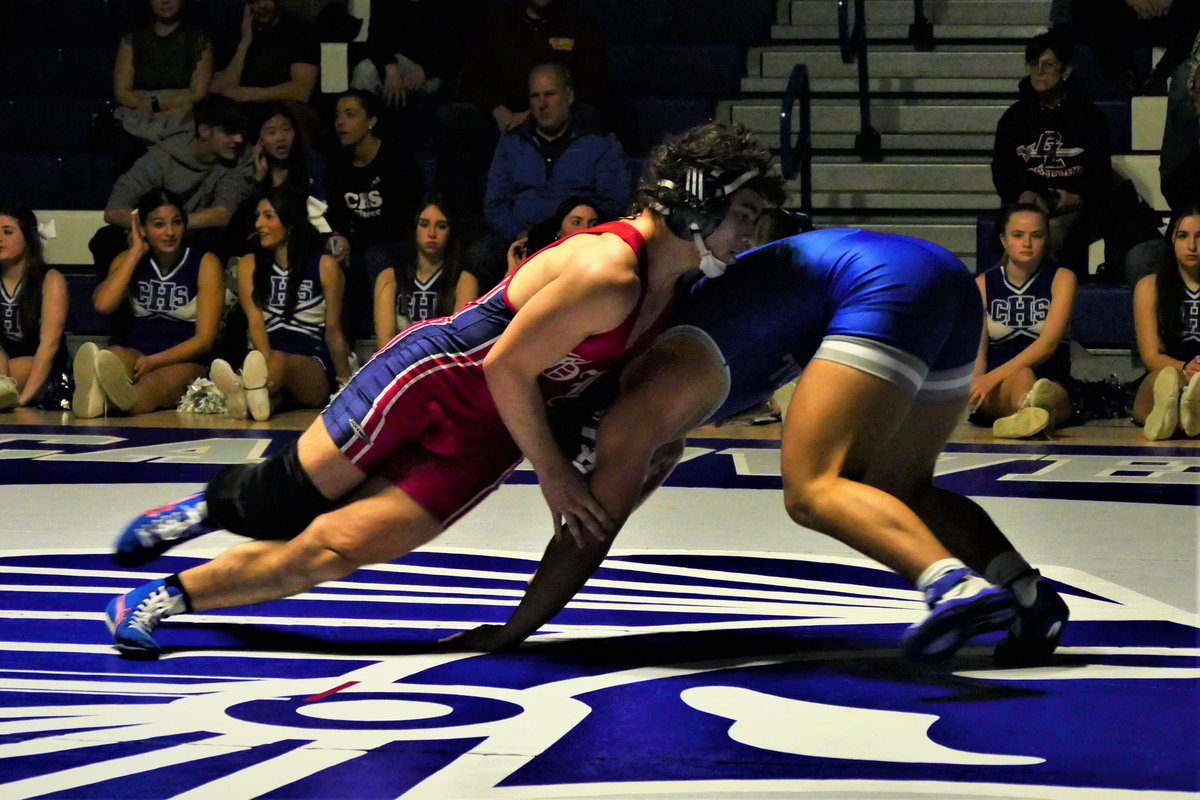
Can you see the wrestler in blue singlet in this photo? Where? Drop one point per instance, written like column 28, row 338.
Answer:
column 900, row 308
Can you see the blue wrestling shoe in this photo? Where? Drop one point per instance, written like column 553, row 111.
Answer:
column 1034, row 634
column 159, row 529
column 133, row 617
column 961, row 605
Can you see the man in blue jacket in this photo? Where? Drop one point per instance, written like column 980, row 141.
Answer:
column 550, row 156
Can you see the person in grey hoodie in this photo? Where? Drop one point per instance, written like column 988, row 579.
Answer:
column 207, row 168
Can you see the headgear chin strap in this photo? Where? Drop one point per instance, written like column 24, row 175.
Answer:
column 710, row 265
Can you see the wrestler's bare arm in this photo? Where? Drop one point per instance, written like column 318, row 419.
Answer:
column 593, row 292
column 666, row 393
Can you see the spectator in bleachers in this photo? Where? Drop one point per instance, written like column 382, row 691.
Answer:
column 174, row 292
column 494, row 86
column 1024, row 357
column 429, row 280
column 33, row 314
column 519, row 37
column 373, row 187
column 550, row 156
column 576, row 213
column 277, row 58
column 415, row 52
column 1116, row 28
column 292, row 297
column 1179, row 159
column 281, row 158
column 1178, row 164
column 414, row 59
column 1052, row 149
column 163, row 68
column 206, row 168
column 1166, row 319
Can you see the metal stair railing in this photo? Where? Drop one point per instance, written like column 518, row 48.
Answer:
column 920, row 33
column 852, row 41
column 798, row 156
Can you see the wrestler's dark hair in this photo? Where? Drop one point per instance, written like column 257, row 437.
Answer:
column 1169, row 287
column 302, row 242
column 29, row 303
column 778, row 223
column 688, row 178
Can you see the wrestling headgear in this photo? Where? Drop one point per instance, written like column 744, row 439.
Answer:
column 706, row 197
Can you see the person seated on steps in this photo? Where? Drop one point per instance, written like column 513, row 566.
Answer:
column 1166, row 320
column 1024, row 358
column 174, row 292
column 292, row 297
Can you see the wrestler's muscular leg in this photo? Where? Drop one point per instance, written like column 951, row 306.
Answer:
column 329, row 470
column 842, row 423
column 958, row 522
column 378, row 523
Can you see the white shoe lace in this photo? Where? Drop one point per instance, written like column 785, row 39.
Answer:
column 150, row 611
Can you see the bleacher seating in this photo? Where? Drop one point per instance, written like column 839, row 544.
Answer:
column 671, row 60
column 671, row 63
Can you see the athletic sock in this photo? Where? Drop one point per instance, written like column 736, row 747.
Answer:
column 936, row 570
column 183, row 604
column 1012, row 570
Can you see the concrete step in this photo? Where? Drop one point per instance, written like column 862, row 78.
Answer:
column 941, row 12
column 958, row 69
column 828, row 31
column 905, row 124
column 1149, row 118
column 900, row 183
column 890, row 19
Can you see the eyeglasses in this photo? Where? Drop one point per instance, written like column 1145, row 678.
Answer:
column 1043, row 66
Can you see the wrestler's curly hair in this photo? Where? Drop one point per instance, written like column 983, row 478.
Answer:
column 726, row 150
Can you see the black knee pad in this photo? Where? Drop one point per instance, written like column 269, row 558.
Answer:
column 274, row 499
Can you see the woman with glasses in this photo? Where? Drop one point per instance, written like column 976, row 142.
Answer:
column 1052, row 149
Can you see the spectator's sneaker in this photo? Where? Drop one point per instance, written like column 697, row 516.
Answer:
column 1027, row 422
column 961, row 605
column 114, row 380
column 231, row 386
column 254, row 379
column 9, row 396
column 1044, row 394
column 1035, row 632
column 1163, row 419
column 1189, row 407
column 159, row 529
column 133, row 617
column 88, row 401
